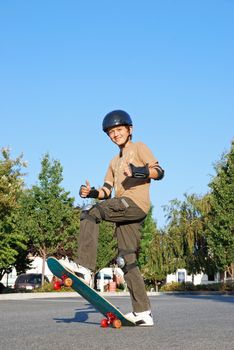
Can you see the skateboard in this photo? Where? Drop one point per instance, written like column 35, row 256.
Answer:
column 113, row 317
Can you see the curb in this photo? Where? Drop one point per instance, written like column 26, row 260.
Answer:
column 53, row 295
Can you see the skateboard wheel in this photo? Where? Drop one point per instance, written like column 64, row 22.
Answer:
column 57, row 285
column 104, row 323
column 117, row 323
column 68, row 282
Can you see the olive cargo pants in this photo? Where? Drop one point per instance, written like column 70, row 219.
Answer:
column 128, row 218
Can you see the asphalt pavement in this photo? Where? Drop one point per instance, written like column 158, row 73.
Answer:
column 182, row 322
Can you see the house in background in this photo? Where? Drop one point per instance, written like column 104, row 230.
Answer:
column 36, row 267
column 104, row 277
column 180, row 275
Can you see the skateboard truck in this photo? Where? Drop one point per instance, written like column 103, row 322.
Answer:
column 65, row 281
column 112, row 320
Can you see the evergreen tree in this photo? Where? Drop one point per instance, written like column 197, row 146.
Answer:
column 107, row 245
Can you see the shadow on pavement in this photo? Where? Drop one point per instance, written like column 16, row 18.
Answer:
column 81, row 316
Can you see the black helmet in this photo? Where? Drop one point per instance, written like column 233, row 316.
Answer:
column 116, row 118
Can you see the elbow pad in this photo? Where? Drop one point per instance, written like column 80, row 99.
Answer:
column 105, row 187
column 160, row 172
column 140, row 172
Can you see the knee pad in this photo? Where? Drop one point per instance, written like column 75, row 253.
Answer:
column 121, row 261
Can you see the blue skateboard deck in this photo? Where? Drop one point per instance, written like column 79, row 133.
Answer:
column 88, row 293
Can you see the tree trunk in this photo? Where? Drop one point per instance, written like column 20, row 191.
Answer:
column 43, row 268
column 225, row 276
column 230, row 271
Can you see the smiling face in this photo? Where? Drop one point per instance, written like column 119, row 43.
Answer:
column 120, row 135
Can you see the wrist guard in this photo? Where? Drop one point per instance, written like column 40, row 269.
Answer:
column 93, row 193
column 140, row 172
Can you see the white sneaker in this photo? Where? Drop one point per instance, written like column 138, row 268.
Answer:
column 142, row 319
column 82, row 272
column 85, row 274
column 68, row 264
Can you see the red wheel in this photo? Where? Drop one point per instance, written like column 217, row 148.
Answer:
column 104, row 323
column 67, row 282
column 57, row 285
column 117, row 323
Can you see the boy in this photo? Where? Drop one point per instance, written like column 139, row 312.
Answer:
column 129, row 174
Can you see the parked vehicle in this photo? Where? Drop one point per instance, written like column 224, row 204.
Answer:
column 106, row 276
column 102, row 280
column 29, row 281
column 2, row 287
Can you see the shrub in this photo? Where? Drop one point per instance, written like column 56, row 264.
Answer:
column 178, row 286
column 188, row 286
column 49, row 287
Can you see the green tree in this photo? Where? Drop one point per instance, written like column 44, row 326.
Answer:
column 160, row 252
column 151, row 258
column 147, row 233
column 221, row 215
column 186, row 230
column 175, row 235
column 12, row 240
column 107, row 245
column 48, row 214
column 155, row 269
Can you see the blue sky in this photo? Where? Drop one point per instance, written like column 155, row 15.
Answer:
column 169, row 64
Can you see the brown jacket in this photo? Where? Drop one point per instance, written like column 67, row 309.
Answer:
column 137, row 189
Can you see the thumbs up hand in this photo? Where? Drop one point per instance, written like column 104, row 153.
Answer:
column 127, row 170
column 85, row 189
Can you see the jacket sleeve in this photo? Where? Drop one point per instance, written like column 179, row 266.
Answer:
column 148, row 158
